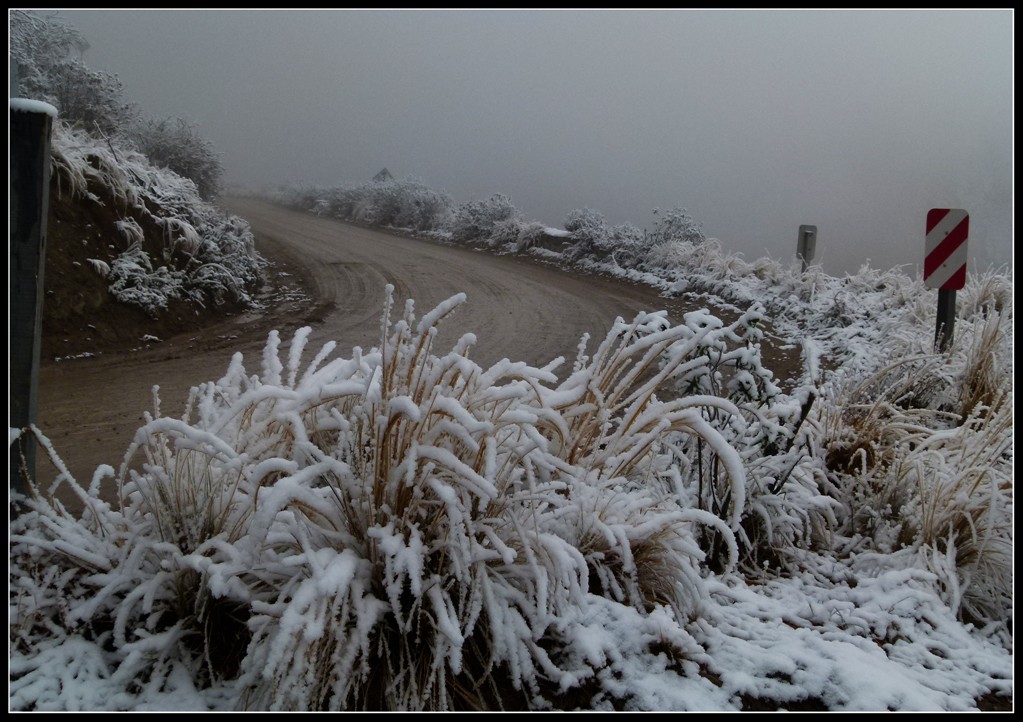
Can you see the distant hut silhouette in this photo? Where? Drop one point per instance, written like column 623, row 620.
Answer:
column 384, row 175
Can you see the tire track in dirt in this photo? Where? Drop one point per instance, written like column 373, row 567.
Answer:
column 518, row 307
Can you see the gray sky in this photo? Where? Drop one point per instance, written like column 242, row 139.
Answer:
column 756, row 122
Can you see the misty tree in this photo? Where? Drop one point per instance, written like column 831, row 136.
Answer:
column 49, row 65
column 477, row 220
column 590, row 233
column 629, row 243
column 676, row 225
column 50, row 68
column 405, row 203
column 413, row 204
column 175, row 144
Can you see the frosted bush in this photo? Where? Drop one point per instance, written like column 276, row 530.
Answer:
column 505, row 234
column 529, row 235
column 47, row 51
column 787, row 504
column 134, row 281
column 480, row 221
column 407, row 204
column 402, row 529
column 921, row 455
column 676, row 226
column 199, row 252
column 590, row 234
column 176, row 144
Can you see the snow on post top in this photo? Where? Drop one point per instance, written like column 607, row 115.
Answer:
column 24, row 105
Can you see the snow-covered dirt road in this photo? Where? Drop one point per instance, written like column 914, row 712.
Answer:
column 518, row 307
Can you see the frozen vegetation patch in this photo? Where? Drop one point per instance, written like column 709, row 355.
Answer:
column 401, row 530
column 172, row 244
column 153, row 176
column 884, row 450
column 658, row 527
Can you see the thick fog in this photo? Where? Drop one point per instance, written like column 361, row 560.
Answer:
column 756, row 122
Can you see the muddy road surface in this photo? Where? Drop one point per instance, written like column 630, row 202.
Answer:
column 331, row 276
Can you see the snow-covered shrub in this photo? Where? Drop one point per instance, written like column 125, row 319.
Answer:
column 458, row 513
column 921, row 454
column 102, row 268
column 78, row 160
column 676, row 226
column 962, row 509
column 475, row 221
column 936, row 483
column 126, row 584
column 627, row 244
column 47, row 51
column 192, row 249
column 529, row 235
column 711, row 264
column 590, row 233
column 592, row 239
column 175, row 144
column 419, row 207
column 401, row 530
column 134, row 281
column 225, row 262
column 505, row 234
column 775, row 435
column 406, row 204
column 985, row 342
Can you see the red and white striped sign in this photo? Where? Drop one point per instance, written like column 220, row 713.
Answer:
column 945, row 258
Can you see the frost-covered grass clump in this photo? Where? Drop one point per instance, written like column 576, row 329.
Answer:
column 923, row 448
column 402, row 529
column 171, row 244
column 915, row 446
column 663, row 528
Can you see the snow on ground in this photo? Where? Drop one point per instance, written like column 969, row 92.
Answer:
column 853, row 554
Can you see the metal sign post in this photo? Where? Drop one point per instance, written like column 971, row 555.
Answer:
column 945, row 323
column 806, row 245
column 945, row 266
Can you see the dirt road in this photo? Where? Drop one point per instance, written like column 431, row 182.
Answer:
column 518, row 308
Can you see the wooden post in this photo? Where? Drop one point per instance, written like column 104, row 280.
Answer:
column 29, row 195
column 944, row 327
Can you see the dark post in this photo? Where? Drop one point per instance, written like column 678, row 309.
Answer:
column 944, row 328
column 806, row 245
column 28, row 202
